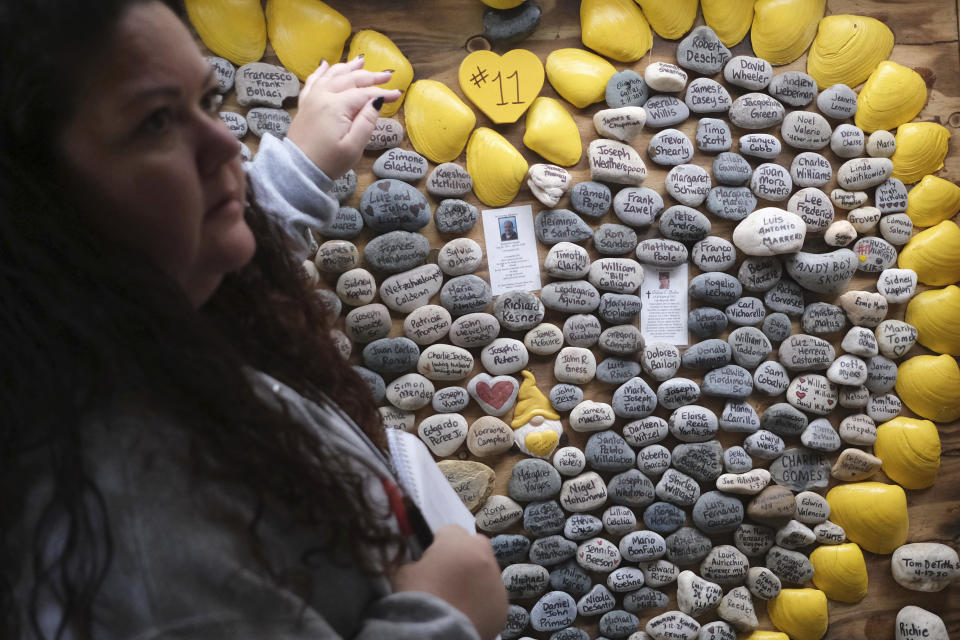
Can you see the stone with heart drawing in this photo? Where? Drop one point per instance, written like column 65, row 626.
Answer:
column 813, row 393
column 495, row 394
column 389, row 205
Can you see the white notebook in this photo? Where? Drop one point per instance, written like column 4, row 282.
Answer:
column 422, row 480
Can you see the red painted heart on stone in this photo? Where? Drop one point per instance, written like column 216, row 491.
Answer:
column 495, row 396
column 383, row 186
column 829, row 401
column 801, row 395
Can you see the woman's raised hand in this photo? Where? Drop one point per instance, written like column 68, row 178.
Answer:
column 337, row 111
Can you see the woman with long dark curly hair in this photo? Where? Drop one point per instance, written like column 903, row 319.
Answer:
column 183, row 451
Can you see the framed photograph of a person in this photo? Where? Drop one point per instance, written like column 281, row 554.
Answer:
column 508, row 228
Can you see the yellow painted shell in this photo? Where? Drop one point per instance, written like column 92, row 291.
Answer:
column 233, row 29
column 800, row 613
column 730, row 19
column 379, row 54
column 929, row 386
column 304, row 32
column 840, row 571
column 933, row 200
column 496, row 167
column 936, row 315
column 783, row 29
column 670, row 18
column 847, row 49
column 552, row 132
column 893, row 95
column 873, row 514
column 438, row 121
column 766, row 635
column 615, row 28
column 910, row 450
column 921, row 148
column 934, row 254
column 502, row 4
column 579, row 76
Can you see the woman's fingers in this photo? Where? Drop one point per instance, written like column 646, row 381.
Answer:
column 359, row 78
column 363, row 123
column 342, row 68
column 318, row 73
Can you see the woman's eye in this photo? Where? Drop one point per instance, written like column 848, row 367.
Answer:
column 157, row 122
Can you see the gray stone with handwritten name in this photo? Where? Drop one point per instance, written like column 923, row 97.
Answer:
column 263, row 120
column 794, row 88
column 626, row 89
column 449, row 180
column 455, row 216
column 748, row 72
column 665, row 111
column 713, row 135
column 756, row 111
column 705, row 95
column 612, row 161
column 731, row 169
column 702, row 51
column 389, row 205
column 260, row 83
column 838, row 102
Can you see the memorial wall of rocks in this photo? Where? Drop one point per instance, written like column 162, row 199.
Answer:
column 752, row 479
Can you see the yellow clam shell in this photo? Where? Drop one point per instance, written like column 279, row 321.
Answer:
column 934, row 254
column 379, row 54
column 304, row 32
column 910, row 450
column 496, row 167
column 670, row 19
column 930, row 386
column 873, row 514
column 840, row 571
column 615, row 28
column 233, row 29
column 552, row 132
column 936, row 315
column 730, row 19
column 783, row 29
column 800, row 613
column 921, row 148
column 847, row 49
column 502, row 4
column 579, row 76
column 933, row 200
column 893, row 95
column 438, row 121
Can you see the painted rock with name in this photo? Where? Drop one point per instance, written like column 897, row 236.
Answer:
column 770, row 231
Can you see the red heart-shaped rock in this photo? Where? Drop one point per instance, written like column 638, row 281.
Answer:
column 495, row 395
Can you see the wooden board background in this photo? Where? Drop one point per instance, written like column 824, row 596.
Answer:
column 434, row 37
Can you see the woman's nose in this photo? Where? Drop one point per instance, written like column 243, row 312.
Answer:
column 215, row 144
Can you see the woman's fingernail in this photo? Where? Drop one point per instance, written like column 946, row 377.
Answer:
column 388, row 70
column 378, row 103
column 360, row 55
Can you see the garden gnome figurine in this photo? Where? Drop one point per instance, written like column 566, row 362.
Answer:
column 536, row 425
